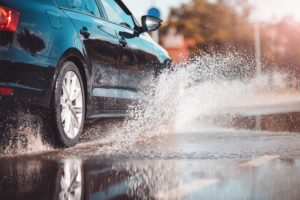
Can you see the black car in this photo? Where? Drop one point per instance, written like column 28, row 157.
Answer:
column 78, row 59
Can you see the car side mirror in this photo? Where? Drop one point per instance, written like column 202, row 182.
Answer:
column 150, row 23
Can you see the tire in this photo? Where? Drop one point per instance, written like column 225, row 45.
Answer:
column 68, row 106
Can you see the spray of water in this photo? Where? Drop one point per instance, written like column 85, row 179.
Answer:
column 180, row 97
column 178, row 100
column 23, row 135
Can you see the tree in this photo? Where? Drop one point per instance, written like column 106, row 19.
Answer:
column 214, row 26
column 223, row 26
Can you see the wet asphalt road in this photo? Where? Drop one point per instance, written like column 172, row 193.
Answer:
column 200, row 164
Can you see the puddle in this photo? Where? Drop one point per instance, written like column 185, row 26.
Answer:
column 179, row 100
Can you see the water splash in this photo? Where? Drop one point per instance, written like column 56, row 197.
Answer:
column 182, row 95
column 178, row 100
column 24, row 135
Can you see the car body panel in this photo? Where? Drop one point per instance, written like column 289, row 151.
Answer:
column 48, row 35
column 102, row 50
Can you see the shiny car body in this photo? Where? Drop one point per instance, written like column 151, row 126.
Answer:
column 113, row 58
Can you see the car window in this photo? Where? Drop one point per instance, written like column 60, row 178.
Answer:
column 116, row 14
column 85, row 6
column 62, row 3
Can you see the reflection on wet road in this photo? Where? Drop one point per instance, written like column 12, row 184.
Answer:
column 219, row 164
column 184, row 142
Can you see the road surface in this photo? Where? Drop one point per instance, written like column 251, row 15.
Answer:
column 193, row 163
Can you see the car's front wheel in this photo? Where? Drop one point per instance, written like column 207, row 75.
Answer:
column 68, row 106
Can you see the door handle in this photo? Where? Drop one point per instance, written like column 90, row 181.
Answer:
column 123, row 43
column 85, row 32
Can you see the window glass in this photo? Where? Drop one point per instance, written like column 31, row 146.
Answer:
column 85, row 6
column 116, row 14
column 62, row 3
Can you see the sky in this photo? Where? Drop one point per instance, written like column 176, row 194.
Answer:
column 275, row 9
column 140, row 7
column 265, row 10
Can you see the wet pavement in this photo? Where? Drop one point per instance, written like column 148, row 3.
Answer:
column 189, row 150
column 203, row 164
column 187, row 139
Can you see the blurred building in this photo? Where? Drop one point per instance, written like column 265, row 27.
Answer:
column 177, row 45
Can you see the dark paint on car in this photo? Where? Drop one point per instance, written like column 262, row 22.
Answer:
column 113, row 58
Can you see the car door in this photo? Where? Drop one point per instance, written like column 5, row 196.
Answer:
column 102, row 49
column 136, row 53
column 137, row 63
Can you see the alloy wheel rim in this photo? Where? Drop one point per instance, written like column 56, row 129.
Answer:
column 71, row 102
column 71, row 181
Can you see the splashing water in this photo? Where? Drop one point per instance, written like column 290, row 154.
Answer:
column 24, row 135
column 176, row 101
column 179, row 97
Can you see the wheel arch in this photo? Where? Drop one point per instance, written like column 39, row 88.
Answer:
column 75, row 56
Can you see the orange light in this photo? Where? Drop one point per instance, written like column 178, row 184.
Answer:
column 9, row 19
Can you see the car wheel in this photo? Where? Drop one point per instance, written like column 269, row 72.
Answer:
column 68, row 106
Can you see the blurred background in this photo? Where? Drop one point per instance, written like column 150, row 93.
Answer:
column 266, row 33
